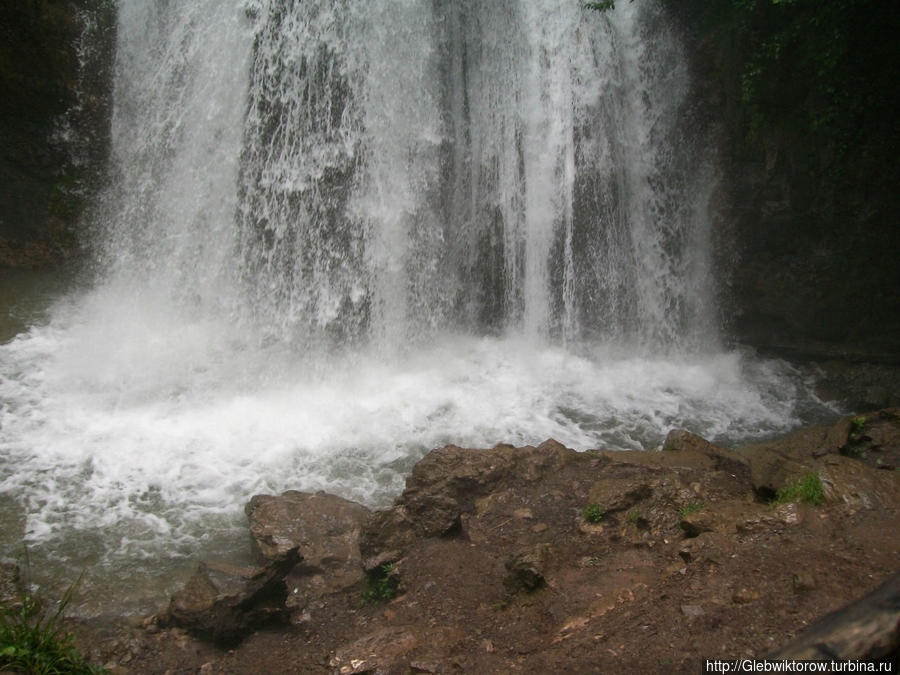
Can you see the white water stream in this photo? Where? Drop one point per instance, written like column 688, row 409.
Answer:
column 340, row 234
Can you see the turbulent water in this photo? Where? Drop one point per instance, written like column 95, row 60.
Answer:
column 339, row 234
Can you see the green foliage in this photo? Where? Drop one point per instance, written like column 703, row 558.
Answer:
column 691, row 507
column 381, row 585
column 592, row 513
column 806, row 489
column 634, row 515
column 815, row 79
column 856, row 425
column 31, row 640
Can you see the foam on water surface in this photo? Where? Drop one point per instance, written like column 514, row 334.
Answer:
column 142, row 441
column 338, row 235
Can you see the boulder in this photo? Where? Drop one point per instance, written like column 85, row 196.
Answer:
column 226, row 610
column 446, row 484
column 775, row 463
column 324, row 529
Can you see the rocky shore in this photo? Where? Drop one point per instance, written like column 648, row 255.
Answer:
column 543, row 559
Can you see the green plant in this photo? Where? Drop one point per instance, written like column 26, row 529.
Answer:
column 856, row 425
column 634, row 515
column 32, row 641
column 592, row 513
column 381, row 585
column 806, row 489
column 691, row 507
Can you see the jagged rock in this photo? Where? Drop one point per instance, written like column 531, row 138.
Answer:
column 775, row 463
column 875, row 439
column 323, row 527
column 618, row 493
column 851, row 482
column 225, row 612
column 697, row 523
column 680, row 440
column 526, row 570
column 867, row 629
column 446, row 484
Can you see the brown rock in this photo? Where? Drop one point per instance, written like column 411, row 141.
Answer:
column 448, row 483
column 803, row 582
column 376, row 652
column 526, row 570
column 743, row 595
column 226, row 612
column 323, row 528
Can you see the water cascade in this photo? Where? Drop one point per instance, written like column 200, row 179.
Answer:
column 339, row 234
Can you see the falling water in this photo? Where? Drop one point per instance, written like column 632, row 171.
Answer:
column 339, row 234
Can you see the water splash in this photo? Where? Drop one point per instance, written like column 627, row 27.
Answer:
column 340, row 234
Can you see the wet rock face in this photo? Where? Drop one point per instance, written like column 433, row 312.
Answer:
column 444, row 488
column 55, row 100
column 323, row 528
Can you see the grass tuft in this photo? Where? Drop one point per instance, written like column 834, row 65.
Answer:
column 806, row 489
column 592, row 513
column 381, row 585
column 691, row 507
column 32, row 641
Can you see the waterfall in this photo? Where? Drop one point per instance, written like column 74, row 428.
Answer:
column 336, row 173
column 339, row 234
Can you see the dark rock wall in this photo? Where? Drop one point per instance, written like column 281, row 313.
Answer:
column 55, row 95
column 806, row 220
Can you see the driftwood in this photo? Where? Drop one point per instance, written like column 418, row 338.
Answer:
column 868, row 630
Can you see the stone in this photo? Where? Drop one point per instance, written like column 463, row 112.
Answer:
column 225, row 612
column 323, row 528
column 376, row 652
column 803, row 582
column 692, row 610
column 695, row 524
column 526, row 570
column 680, row 440
column 447, row 484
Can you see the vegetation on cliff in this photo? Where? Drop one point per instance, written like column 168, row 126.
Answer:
column 806, row 91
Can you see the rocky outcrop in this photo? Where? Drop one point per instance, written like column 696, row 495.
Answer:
column 543, row 559
column 445, row 488
column 236, row 603
column 323, row 528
